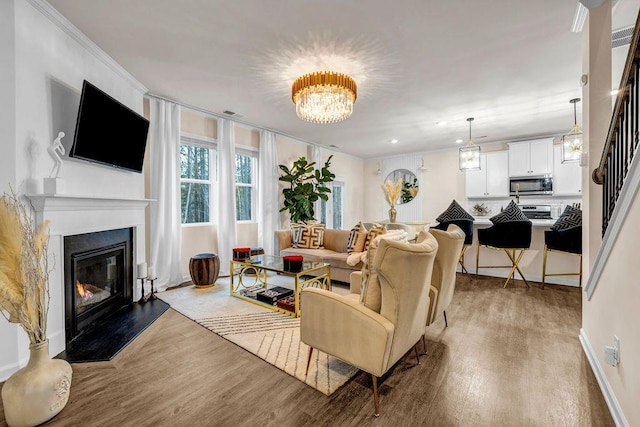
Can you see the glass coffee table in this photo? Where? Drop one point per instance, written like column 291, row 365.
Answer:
column 249, row 282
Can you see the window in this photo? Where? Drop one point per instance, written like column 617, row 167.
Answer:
column 195, row 183
column 245, row 185
column 331, row 213
column 198, row 177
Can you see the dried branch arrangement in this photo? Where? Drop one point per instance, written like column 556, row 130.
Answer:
column 392, row 191
column 24, row 268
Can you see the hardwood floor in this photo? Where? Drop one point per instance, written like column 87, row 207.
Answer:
column 508, row 357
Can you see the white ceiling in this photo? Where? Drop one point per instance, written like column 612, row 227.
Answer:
column 512, row 64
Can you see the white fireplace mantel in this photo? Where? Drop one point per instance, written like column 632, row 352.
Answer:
column 42, row 202
column 75, row 214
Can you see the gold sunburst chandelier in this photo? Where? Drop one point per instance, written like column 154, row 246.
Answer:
column 324, row 97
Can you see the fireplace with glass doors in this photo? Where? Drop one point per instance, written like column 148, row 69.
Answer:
column 98, row 274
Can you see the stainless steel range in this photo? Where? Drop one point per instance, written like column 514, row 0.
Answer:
column 536, row 211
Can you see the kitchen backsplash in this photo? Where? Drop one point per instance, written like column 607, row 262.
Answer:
column 494, row 205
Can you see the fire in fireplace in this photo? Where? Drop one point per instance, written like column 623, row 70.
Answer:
column 98, row 277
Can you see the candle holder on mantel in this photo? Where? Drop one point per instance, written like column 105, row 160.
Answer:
column 142, row 299
column 152, row 296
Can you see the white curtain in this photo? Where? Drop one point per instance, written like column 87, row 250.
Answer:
column 226, row 193
column 268, row 215
column 164, row 184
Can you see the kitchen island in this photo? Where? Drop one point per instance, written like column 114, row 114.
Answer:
column 531, row 263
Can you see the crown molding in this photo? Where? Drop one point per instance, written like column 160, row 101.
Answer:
column 65, row 25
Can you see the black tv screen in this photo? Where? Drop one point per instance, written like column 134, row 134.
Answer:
column 108, row 132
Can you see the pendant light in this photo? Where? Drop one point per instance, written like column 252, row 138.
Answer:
column 470, row 155
column 572, row 142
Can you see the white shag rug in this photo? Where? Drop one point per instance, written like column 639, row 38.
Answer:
column 272, row 336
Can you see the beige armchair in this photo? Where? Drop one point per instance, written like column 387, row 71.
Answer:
column 347, row 329
column 443, row 279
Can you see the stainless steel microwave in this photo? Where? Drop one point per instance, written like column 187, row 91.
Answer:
column 531, row 185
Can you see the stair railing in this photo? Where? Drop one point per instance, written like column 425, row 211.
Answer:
column 622, row 139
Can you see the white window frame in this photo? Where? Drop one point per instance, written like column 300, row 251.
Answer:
column 253, row 154
column 337, row 182
column 211, row 145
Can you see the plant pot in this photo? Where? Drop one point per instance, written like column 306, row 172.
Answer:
column 39, row 391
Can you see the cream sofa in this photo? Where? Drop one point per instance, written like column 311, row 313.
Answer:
column 333, row 252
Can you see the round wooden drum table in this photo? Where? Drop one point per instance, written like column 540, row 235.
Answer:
column 204, row 269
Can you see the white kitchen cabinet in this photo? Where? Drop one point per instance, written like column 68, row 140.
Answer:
column 567, row 177
column 531, row 157
column 492, row 180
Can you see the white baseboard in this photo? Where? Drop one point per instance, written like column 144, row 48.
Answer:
column 7, row 370
column 605, row 387
column 57, row 342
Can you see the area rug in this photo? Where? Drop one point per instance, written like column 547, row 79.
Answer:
column 272, row 336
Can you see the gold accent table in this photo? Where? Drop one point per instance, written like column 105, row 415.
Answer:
column 260, row 265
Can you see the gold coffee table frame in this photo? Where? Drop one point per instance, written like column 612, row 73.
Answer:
column 253, row 272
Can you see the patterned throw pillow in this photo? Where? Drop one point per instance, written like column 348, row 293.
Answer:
column 453, row 212
column 511, row 213
column 296, row 229
column 307, row 236
column 571, row 217
column 356, row 239
column 375, row 231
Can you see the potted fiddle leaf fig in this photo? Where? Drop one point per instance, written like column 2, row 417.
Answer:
column 307, row 185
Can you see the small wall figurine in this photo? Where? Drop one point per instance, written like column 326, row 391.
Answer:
column 56, row 149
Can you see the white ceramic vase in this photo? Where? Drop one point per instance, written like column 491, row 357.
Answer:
column 39, row 391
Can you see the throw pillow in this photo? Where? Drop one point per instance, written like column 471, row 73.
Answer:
column 571, row 217
column 296, row 229
column 308, row 236
column 357, row 236
column 375, row 231
column 453, row 212
column 511, row 213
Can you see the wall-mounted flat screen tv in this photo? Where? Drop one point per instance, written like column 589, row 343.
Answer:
column 108, row 132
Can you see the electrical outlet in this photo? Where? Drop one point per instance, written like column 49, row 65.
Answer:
column 612, row 352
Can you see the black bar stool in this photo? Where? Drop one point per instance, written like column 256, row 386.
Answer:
column 511, row 237
column 567, row 241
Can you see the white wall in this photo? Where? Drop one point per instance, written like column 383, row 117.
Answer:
column 49, row 68
column 614, row 310
column 440, row 183
column 8, row 332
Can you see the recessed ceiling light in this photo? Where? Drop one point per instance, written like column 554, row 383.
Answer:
column 458, row 141
column 394, row 141
column 614, row 92
column 441, row 123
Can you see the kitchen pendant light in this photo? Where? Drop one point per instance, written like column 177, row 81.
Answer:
column 572, row 142
column 470, row 155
